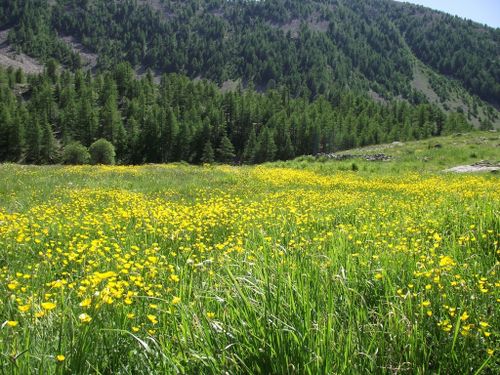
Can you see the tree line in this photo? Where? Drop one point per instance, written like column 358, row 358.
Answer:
column 180, row 119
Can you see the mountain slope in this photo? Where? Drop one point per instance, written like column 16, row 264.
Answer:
column 310, row 46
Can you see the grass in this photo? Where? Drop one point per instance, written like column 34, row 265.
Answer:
column 430, row 156
column 288, row 268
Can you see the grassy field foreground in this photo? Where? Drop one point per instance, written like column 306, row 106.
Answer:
column 254, row 270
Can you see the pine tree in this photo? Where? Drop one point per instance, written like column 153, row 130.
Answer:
column 266, row 148
column 33, row 141
column 51, row 70
column 16, row 137
column 121, row 143
column 150, row 139
column 225, row 152
column 250, row 148
column 49, row 147
column 284, row 142
column 5, row 129
column 87, row 121
column 68, row 117
column 203, row 134
column 208, row 153
column 19, row 76
column 315, row 138
column 169, row 135
column 110, row 119
column 135, row 154
column 183, row 143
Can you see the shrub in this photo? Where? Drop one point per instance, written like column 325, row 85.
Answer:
column 75, row 153
column 102, row 152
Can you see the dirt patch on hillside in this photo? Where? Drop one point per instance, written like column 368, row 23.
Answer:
column 230, row 85
column 421, row 83
column 315, row 23
column 89, row 59
column 159, row 7
column 10, row 58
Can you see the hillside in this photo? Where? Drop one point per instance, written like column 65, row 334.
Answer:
column 333, row 74
column 435, row 155
column 310, row 46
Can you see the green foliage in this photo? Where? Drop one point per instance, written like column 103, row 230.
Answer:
column 225, row 152
column 34, row 142
column 34, row 30
column 49, row 151
column 75, row 154
column 454, row 47
column 102, row 152
column 265, row 149
column 173, row 120
column 250, row 148
column 208, row 153
column 312, row 47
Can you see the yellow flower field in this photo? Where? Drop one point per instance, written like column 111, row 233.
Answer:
column 176, row 269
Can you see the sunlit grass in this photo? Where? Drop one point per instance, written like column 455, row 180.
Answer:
column 177, row 269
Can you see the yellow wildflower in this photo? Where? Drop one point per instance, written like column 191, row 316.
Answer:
column 464, row 316
column 48, row 306
column 86, row 302
column 84, row 318
column 23, row 308
column 152, row 319
column 176, row 300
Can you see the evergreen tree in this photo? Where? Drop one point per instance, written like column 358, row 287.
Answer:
column 169, row 133
column 121, row 141
column 49, row 147
column 315, row 138
column 87, row 121
column 151, row 136
column 20, row 76
column 285, row 147
column 5, row 129
column 34, row 142
column 266, row 148
column 68, row 116
column 52, row 69
column 16, row 137
column 250, row 148
column 110, row 119
column 208, row 153
column 225, row 152
column 136, row 152
column 184, row 139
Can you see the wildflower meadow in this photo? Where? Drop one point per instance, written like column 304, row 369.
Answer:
column 247, row 270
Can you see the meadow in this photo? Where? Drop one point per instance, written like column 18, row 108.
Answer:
column 287, row 268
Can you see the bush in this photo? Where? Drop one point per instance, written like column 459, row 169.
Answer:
column 76, row 154
column 102, row 152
